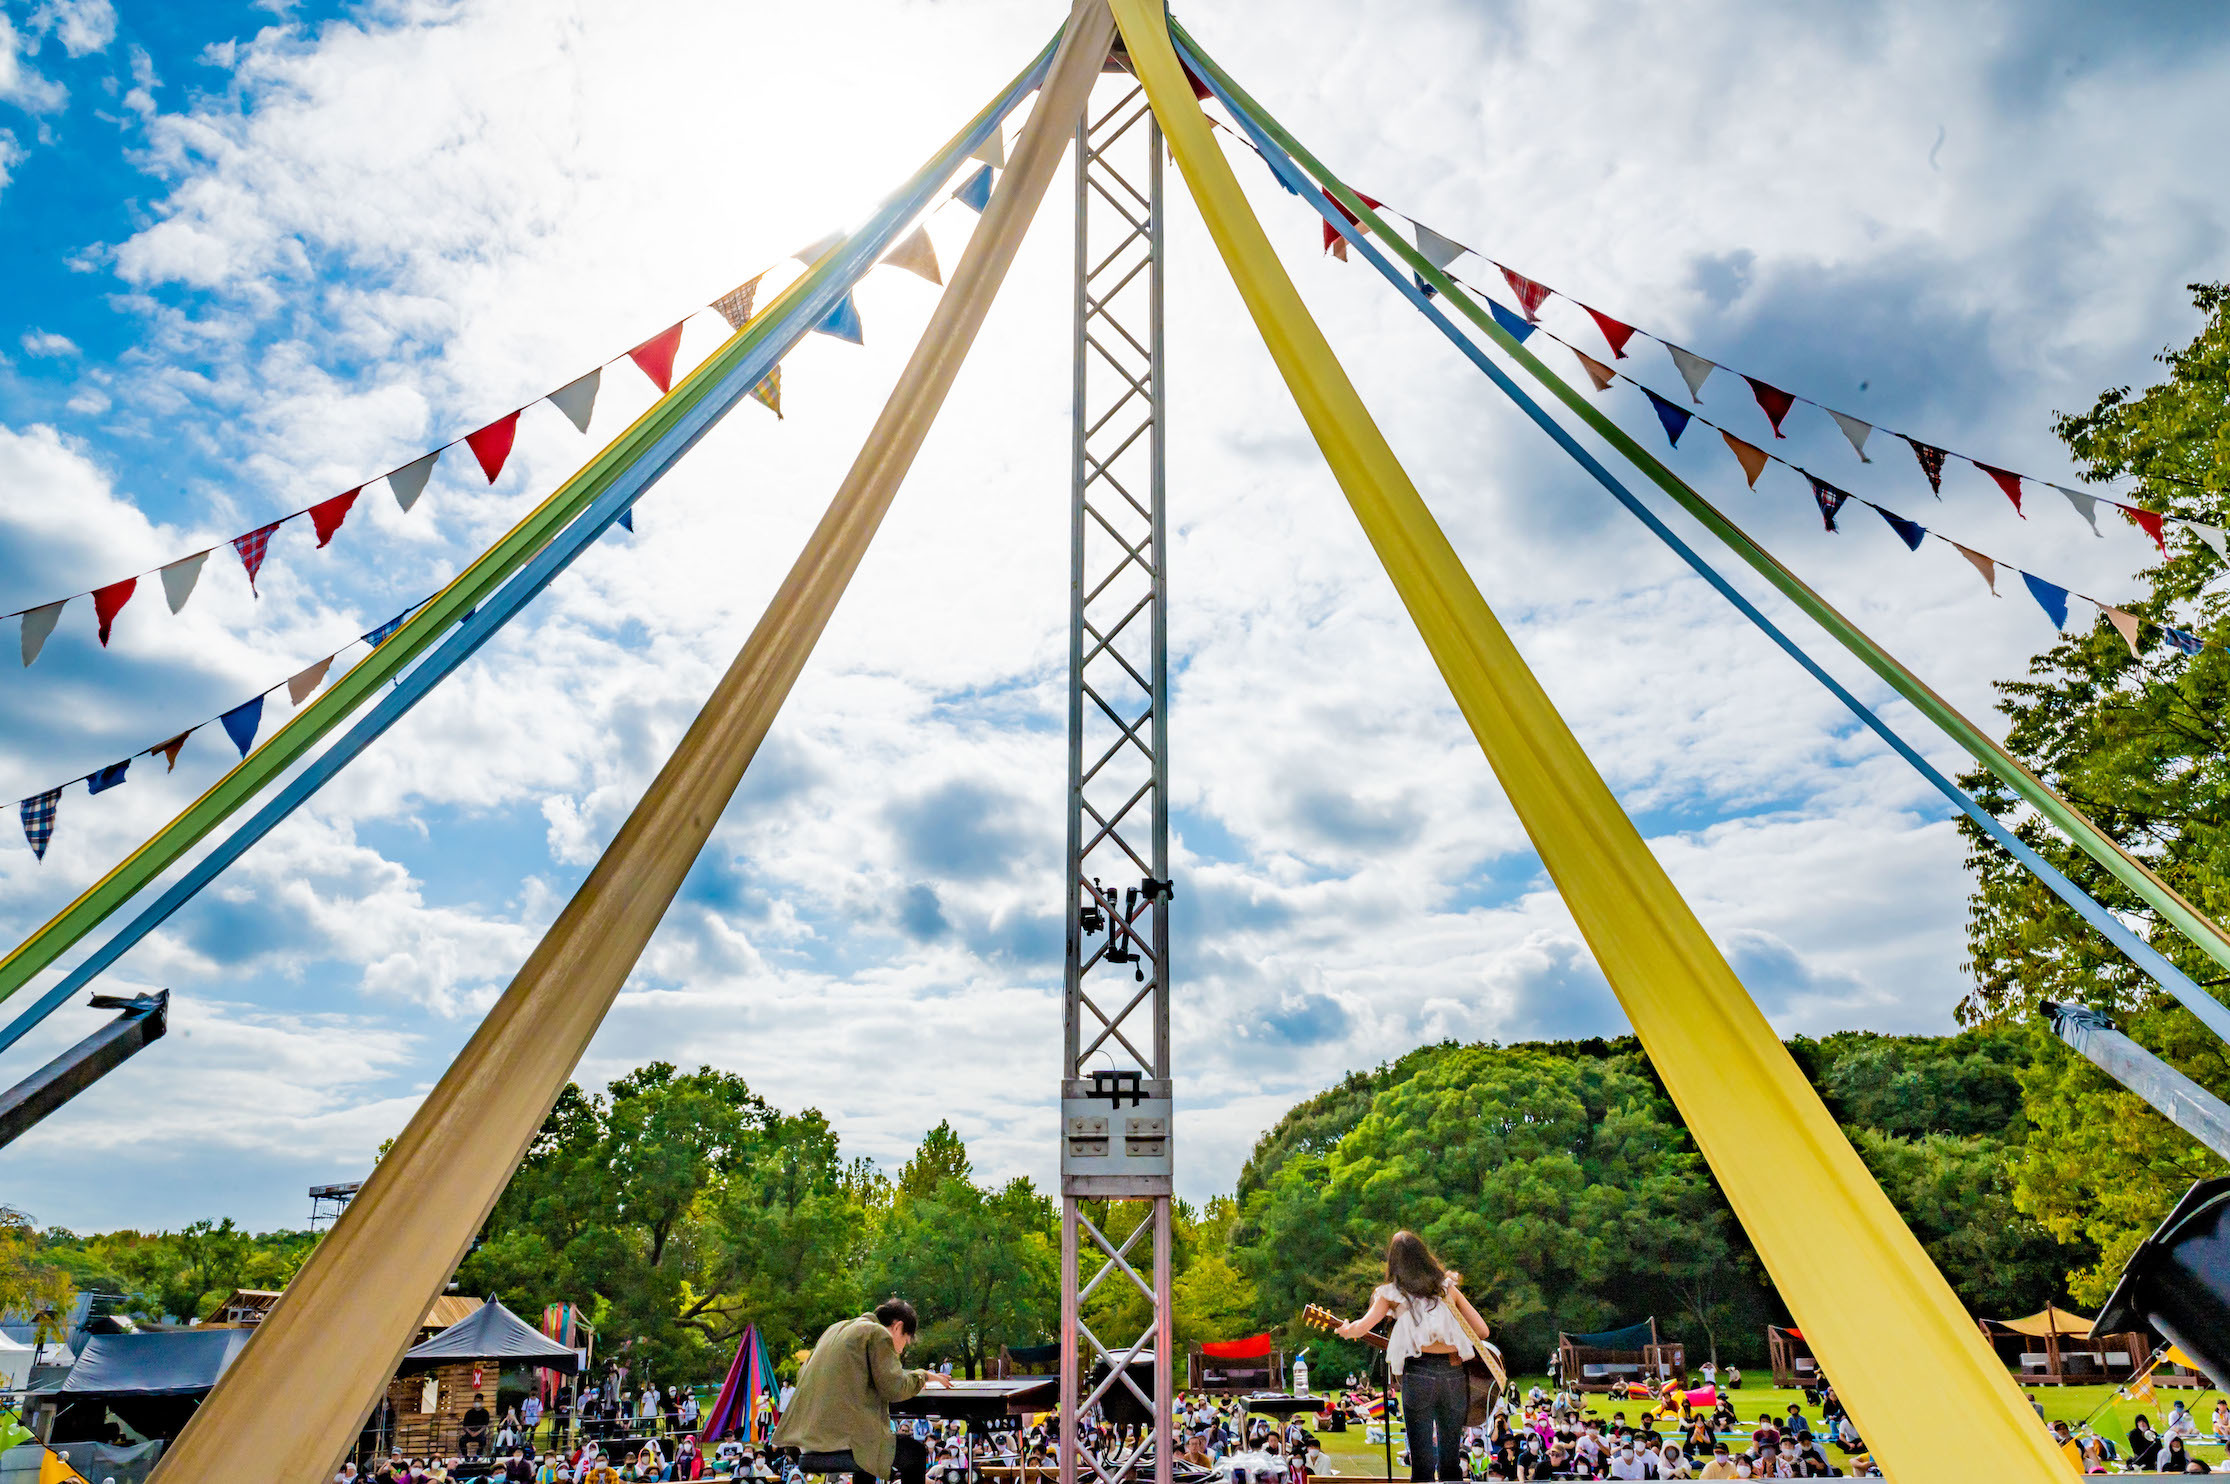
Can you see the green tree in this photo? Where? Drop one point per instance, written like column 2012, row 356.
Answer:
column 33, row 1287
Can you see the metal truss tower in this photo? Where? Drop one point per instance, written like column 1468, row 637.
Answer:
column 1115, row 1066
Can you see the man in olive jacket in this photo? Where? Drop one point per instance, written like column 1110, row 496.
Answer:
column 839, row 1420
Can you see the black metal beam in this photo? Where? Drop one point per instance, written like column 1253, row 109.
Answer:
column 145, row 1019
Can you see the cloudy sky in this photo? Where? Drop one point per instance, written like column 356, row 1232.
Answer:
column 256, row 254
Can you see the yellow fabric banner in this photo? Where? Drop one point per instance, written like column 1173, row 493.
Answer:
column 1931, row 1399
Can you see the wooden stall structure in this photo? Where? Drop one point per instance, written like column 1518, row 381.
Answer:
column 1236, row 1367
column 1791, row 1356
column 2055, row 1347
column 443, row 1378
column 1634, row 1355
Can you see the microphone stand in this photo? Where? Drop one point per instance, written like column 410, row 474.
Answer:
column 1386, row 1408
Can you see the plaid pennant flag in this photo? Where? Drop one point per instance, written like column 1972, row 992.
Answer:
column 1531, row 295
column 381, row 634
column 252, row 548
column 38, row 820
column 1830, row 498
column 2189, row 643
column 1931, row 463
column 769, row 391
column 735, row 305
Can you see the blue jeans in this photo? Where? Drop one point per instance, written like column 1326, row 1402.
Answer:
column 1435, row 1394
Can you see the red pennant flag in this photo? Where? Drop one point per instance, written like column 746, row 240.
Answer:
column 2148, row 521
column 1775, row 402
column 1334, row 243
column 1531, row 295
column 1616, row 333
column 656, row 357
column 109, row 601
column 2008, row 481
column 326, row 516
column 253, row 547
column 492, row 444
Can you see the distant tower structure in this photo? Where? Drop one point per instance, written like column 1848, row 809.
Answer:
column 327, row 1202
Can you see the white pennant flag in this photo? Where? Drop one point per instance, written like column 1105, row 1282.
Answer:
column 813, row 252
column 2212, row 535
column 409, row 482
column 179, row 579
column 2085, row 505
column 298, row 687
column 37, row 624
column 1854, row 430
column 992, row 151
column 2126, row 623
column 577, row 399
column 1435, row 249
column 1694, row 370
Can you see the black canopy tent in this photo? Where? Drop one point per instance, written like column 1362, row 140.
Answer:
column 492, row 1332
column 152, row 1382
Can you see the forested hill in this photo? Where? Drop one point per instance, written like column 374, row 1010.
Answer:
column 1559, row 1178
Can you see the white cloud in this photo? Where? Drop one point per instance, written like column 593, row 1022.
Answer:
column 20, row 84
column 82, row 26
column 395, row 228
column 47, row 343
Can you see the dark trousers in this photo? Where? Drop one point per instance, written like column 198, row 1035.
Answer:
column 910, row 1466
column 1434, row 1396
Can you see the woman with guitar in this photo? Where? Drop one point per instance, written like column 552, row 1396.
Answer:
column 1435, row 1328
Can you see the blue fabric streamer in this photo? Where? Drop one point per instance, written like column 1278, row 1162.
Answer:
column 842, row 320
column 1908, row 531
column 2188, row 643
column 2212, row 1012
column 1674, row 417
column 2051, row 597
column 976, row 194
column 1515, row 325
column 627, row 522
column 821, row 294
column 107, row 778
column 241, row 723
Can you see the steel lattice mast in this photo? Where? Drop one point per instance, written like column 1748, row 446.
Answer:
column 1115, row 1064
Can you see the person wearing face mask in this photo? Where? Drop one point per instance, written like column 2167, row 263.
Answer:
column 1625, row 1463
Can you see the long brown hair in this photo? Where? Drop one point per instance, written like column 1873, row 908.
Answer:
column 1412, row 1269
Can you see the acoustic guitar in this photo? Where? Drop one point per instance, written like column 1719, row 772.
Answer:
column 1483, row 1370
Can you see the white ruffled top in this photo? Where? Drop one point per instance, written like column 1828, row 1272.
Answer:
column 1419, row 1322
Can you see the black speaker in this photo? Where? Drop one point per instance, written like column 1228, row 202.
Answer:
column 1119, row 1404
column 2177, row 1282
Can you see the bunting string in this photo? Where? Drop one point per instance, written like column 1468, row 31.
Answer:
column 1531, row 294
column 491, row 444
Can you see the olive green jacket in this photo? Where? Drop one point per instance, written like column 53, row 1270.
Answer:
column 844, row 1394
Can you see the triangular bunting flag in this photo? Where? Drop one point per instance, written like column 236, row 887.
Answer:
column 300, row 686
column 109, row 601
column 179, row 579
column 1931, row 464
column 2008, row 481
column 2086, row 505
column 1615, row 333
column 1854, row 430
column 2212, row 535
column 2188, row 643
column 1987, row 566
column 380, row 635
column 1597, row 372
column 492, row 444
column 1435, row 249
column 253, row 548
column 241, row 721
column 1749, row 455
column 326, row 516
column 627, row 520
column 842, row 321
column 1909, row 532
column 813, row 252
column 169, row 750
column 2050, row 596
column 37, row 624
column 975, row 191
column 1423, row 287
column 107, row 778
column 992, row 151
column 409, row 482
column 1517, row 328
column 2148, row 521
column 1829, row 497
column 917, row 254
column 769, row 391
column 37, row 813
column 1775, row 402
column 1334, row 243
column 656, row 356
column 1531, row 295
column 735, row 305
column 2125, row 624
column 1694, row 370
column 1674, row 416
column 577, row 398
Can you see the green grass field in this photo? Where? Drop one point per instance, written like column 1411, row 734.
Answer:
column 1351, row 1456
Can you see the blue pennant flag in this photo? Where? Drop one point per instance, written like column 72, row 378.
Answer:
column 1831, row 499
column 1427, row 289
column 379, row 635
column 2051, row 597
column 843, row 320
column 107, row 778
column 2188, row 643
column 627, row 520
column 1674, row 418
column 1517, row 325
column 976, row 194
column 1908, row 531
column 241, row 723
